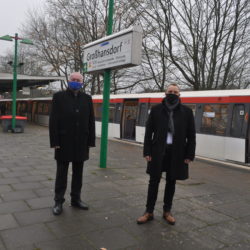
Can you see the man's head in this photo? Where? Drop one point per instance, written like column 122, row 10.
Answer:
column 173, row 88
column 76, row 77
column 75, row 81
column 172, row 94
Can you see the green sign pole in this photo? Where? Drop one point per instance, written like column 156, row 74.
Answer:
column 106, row 97
column 14, row 87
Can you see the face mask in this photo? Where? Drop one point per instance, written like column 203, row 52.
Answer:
column 75, row 85
column 172, row 98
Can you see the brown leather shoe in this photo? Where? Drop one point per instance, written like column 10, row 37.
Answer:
column 145, row 218
column 169, row 218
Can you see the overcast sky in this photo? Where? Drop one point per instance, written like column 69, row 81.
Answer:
column 12, row 14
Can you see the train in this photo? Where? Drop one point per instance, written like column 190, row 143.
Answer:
column 221, row 119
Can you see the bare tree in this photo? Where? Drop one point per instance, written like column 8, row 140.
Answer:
column 64, row 27
column 204, row 42
column 61, row 31
column 6, row 62
column 27, row 62
column 200, row 44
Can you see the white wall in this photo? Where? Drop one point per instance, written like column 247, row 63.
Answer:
column 220, row 147
column 113, row 129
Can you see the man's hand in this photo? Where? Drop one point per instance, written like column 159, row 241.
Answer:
column 148, row 158
column 187, row 161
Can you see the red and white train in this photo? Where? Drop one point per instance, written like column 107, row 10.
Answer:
column 221, row 118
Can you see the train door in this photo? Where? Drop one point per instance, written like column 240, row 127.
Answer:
column 248, row 136
column 128, row 121
column 238, row 120
column 240, row 126
column 248, row 144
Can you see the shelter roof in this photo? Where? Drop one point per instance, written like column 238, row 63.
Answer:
column 6, row 81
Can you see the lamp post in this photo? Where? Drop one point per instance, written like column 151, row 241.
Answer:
column 14, row 86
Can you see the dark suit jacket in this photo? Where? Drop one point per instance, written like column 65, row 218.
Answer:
column 184, row 142
column 72, row 125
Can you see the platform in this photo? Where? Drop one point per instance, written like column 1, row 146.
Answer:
column 212, row 208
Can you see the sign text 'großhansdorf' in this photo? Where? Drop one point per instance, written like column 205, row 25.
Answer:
column 119, row 50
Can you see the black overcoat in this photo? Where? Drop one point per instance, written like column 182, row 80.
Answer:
column 72, row 125
column 184, row 141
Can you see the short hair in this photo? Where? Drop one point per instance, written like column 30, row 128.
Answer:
column 173, row 84
column 76, row 73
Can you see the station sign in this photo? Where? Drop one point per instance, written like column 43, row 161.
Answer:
column 119, row 50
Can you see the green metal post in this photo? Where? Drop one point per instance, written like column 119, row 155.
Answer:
column 14, row 87
column 110, row 17
column 106, row 97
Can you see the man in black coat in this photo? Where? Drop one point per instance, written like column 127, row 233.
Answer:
column 72, row 133
column 169, row 146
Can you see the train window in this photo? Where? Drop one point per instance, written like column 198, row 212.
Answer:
column 192, row 106
column 111, row 112
column 40, row 108
column 143, row 114
column 118, row 108
column 151, row 105
column 49, row 107
column 18, row 108
column 29, row 109
column 24, row 107
column 237, row 120
column 21, row 108
column 45, row 108
column 98, row 111
column 34, row 108
column 8, row 108
column 130, row 110
column 214, row 119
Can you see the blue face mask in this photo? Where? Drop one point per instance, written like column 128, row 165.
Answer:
column 75, row 85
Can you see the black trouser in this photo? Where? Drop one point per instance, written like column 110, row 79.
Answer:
column 154, row 185
column 153, row 192
column 61, row 180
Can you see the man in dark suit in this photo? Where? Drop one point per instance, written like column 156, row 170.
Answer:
column 169, row 146
column 72, row 132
